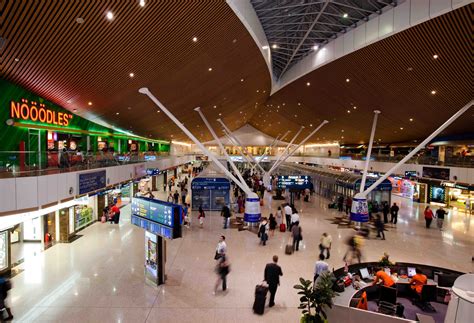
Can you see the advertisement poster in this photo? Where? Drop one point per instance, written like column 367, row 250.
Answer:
column 3, row 250
column 359, row 210
column 151, row 257
column 437, row 194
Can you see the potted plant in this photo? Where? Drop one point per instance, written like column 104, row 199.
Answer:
column 314, row 299
column 385, row 262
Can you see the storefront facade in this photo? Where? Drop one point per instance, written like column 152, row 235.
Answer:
column 36, row 131
column 459, row 196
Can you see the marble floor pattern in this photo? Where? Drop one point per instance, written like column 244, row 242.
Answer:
column 99, row 278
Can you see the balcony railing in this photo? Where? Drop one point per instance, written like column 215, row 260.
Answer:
column 29, row 163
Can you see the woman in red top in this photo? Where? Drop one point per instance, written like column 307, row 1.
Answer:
column 428, row 216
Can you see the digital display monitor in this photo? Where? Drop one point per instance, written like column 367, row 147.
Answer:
column 364, row 273
column 411, row 271
column 294, row 181
column 402, row 271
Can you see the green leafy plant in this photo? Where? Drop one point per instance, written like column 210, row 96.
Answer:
column 314, row 299
column 385, row 262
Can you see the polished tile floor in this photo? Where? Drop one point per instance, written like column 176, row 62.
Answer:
column 99, row 278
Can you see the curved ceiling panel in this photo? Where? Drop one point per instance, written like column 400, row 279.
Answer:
column 71, row 54
column 396, row 75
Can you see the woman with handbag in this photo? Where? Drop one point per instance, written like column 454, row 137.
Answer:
column 222, row 270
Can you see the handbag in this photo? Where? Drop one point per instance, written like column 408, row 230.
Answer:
column 217, row 256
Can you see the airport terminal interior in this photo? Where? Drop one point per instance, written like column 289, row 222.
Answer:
column 237, row 161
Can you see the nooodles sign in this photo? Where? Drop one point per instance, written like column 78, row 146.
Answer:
column 39, row 113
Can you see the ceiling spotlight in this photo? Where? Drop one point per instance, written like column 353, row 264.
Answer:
column 355, row 108
column 220, row 114
column 433, row 92
column 130, row 108
column 109, row 15
column 401, row 128
column 345, row 15
column 117, row 113
column 158, row 111
column 210, row 69
column 142, row 3
column 308, row 84
column 215, row 106
column 79, row 20
column 310, row 124
column 195, row 39
column 274, row 46
column 17, row 59
column 435, row 56
column 299, row 103
column 411, row 119
column 348, row 111
column 131, row 74
column 315, row 47
column 241, row 80
column 89, row 103
column 348, row 80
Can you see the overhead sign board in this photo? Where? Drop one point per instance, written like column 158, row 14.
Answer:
column 294, row 181
column 91, row 181
column 210, row 183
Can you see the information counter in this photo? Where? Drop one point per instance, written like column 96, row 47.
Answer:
column 440, row 282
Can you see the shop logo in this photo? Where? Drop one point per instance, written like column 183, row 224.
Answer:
column 33, row 112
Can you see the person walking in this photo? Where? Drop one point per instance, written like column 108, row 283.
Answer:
column 279, row 216
column 272, row 277
column 340, row 203
column 295, row 217
column 325, row 244
column 222, row 270
column 221, row 247
column 176, row 197
column 386, row 211
column 348, row 205
column 273, row 224
column 394, row 213
column 263, row 231
column 201, row 216
column 288, row 213
column 225, row 212
column 440, row 213
column 296, row 233
column 320, row 267
column 428, row 216
column 380, row 226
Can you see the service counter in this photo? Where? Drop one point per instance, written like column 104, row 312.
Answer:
column 442, row 278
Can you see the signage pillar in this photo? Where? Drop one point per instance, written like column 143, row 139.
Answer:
column 154, row 259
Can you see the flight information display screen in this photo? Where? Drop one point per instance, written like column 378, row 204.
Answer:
column 158, row 211
column 294, row 181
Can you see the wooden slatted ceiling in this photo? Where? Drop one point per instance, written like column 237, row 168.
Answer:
column 380, row 79
column 60, row 59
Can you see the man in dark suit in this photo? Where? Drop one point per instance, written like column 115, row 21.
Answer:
column 272, row 277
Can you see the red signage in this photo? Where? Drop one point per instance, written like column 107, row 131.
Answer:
column 35, row 112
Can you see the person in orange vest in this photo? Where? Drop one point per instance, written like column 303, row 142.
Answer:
column 362, row 304
column 418, row 281
column 384, row 278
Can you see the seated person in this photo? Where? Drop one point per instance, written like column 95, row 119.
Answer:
column 418, row 281
column 383, row 277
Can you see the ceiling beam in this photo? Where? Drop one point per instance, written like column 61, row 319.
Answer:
column 306, row 35
column 288, row 7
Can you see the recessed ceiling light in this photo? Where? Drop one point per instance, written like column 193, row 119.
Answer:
column 411, row 119
column 79, row 20
column 215, row 106
column 17, row 59
column 142, row 4
column 342, row 137
column 308, row 84
column 435, row 56
column 130, row 108
column 299, row 103
column 89, row 103
column 433, row 92
column 131, row 74
column 401, row 128
column 220, row 114
column 310, row 124
column 274, row 46
column 348, row 111
column 241, row 80
column 110, row 15
column 258, row 91
column 355, row 108
column 348, row 80
column 409, row 69
column 158, row 111
column 210, row 69
column 315, row 47
column 345, row 15
column 342, row 130
column 195, row 39
column 296, row 116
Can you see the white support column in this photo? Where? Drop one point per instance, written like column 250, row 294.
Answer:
column 237, row 140
column 284, row 151
column 147, row 92
column 369, row 151
column 303, row 142
column 219, row 143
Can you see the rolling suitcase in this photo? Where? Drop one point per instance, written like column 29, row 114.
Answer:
column 260, row 299
column 282, row 227
column 289, row 249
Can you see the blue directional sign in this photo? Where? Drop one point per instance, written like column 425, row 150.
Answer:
column 211, row 183
column 91, row 181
